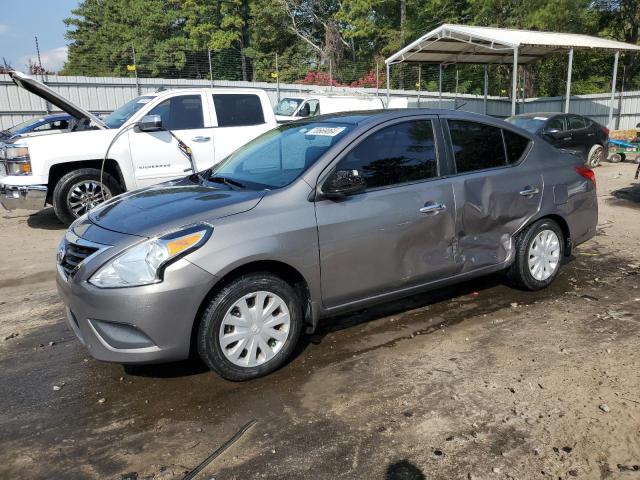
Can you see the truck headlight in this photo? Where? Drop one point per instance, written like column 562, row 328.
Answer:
column 144, row 263
column 17, row 160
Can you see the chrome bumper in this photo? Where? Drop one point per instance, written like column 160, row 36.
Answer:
column 28, row 197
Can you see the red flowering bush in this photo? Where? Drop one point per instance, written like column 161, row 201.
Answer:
column 314, row 77
column 368, row 80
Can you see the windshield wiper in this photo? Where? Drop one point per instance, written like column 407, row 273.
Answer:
column 227, row 181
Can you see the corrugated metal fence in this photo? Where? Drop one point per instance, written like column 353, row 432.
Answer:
column 105, row 94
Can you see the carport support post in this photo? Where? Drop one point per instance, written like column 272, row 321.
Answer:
column 419, row 82
column 388, row 91
column 440, row 86
column 514, row 83
column 486, row 88
column 613, row 88
column 568, row 94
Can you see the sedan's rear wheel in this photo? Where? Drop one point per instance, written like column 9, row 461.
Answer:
column 538, row 255
column 596, row 155
column 251, row 327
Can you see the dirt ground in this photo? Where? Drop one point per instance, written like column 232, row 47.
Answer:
column 474, row 382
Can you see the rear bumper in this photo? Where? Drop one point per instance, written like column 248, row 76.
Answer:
column 27, row 197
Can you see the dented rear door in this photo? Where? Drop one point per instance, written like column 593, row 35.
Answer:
column 497, row 192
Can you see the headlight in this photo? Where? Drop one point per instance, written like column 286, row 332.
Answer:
column 144, row 263
column 17, row 160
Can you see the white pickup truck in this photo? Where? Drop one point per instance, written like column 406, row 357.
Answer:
column 64, row 169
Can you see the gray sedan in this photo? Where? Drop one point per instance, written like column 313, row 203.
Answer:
column 313, row 219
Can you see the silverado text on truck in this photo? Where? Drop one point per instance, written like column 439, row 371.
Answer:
column 64, row 169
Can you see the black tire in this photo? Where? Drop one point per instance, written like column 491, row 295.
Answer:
column 596, row 154
column 208, row 339
column 616, row 158
column 61, row 206
column 518, row 273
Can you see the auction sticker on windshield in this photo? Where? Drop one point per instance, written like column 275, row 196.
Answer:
column 326, row 131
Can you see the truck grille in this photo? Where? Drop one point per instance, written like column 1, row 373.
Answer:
column 74, row 255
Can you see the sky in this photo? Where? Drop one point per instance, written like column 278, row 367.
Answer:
column 22, row 20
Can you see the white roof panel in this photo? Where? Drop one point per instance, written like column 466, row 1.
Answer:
column 467, row 44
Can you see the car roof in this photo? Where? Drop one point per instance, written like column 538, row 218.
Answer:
column 362, row 117
column 547, row 115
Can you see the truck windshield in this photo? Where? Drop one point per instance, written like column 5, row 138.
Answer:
column 278, row 157
column 287, row 106
column 124, row 113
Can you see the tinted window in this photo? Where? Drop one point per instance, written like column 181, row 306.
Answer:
column 234, row 110
column 515, row 144
column 57, row 125
column 476, row 146
column 556, row 123
column 180, row 113
column 397, row 154
column 576, row 123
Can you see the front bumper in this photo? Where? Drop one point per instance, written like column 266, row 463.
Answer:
column 147, row 324
column 27, row 197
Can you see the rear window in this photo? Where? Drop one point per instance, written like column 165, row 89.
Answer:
column 238, row 109
column 515, row 144
column 476, row 146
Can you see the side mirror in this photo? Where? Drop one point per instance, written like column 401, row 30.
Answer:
column 150, row 123
column 553, row 132
column 342, row 183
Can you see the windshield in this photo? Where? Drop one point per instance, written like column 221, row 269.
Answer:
column 287, row 106
column 124, row 113
column 22, row 126
column 531, row 124
column 278, row 157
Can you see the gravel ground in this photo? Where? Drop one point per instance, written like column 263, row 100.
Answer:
column 478, row 381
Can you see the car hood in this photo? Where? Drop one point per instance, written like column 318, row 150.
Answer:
column 155, row 210
column 38, row 88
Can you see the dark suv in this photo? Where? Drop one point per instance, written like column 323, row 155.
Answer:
column 569, row 132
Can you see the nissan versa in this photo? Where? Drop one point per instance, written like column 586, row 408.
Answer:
column 315, row 218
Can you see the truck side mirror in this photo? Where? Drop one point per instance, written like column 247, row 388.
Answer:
column 150, row 123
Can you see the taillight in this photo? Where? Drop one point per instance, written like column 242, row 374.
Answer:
column 605, row 130
column 588, row 174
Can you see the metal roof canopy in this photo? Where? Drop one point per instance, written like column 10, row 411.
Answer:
column 451, row 44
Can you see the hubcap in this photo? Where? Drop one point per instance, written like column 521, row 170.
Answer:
column 255, row 329
column 85, row 195
column 544, row 255
column 596, row 157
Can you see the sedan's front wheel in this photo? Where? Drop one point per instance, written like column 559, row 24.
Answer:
column 251, row 327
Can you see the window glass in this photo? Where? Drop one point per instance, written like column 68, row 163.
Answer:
column 57, row 125
column 476, row 146
column 124, row 113
column 400, row 153
column 234, row 110
column 180, row 113
column 309, row 109
column 529, row 124
column 515, row 144
column 281, row 155
column 556, row 123
column 287, row 106
column 576, row 123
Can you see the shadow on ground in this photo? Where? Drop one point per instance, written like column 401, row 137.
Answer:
column 630, row 194
column 45, row 220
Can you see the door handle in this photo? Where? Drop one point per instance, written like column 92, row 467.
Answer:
column 433, row 207
column 201, row 139
column 529, row 191
column 566, row 138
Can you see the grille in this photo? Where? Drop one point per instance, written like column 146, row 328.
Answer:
column 73, row 256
